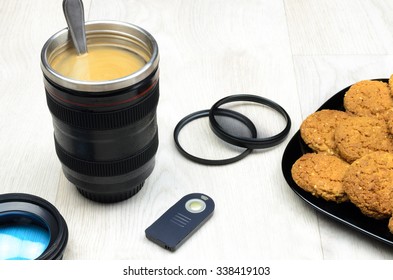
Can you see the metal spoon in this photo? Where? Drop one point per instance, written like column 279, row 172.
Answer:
column 75, row 17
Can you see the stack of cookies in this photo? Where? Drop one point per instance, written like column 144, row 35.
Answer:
column 353, row 151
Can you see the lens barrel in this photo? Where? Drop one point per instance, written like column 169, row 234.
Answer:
column 105, row 133
column 20, row 208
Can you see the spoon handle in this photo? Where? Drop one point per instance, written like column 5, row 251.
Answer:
column 74, row 14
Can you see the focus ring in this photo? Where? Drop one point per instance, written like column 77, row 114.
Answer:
column 108, row 168
column 104, row 120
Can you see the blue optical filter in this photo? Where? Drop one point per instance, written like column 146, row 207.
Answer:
column 30, row 229
column 23, row 239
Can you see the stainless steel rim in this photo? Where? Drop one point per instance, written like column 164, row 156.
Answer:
column 129, row 35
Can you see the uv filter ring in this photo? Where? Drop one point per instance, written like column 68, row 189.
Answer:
column 247, row 142
column 205, row 113
column 25, row 209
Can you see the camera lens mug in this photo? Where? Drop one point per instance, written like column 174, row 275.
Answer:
column 105, row 131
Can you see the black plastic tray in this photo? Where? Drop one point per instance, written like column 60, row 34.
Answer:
column 346, row 212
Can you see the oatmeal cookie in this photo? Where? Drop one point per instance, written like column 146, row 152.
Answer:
column 321, row 174
column 368, row 98
column 358, row 136
column 389, row 120
column 317, row 130
column 390, row 225
column 391, row 84
column 368, row 184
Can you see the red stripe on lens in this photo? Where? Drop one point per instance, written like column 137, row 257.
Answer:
column 104, row 104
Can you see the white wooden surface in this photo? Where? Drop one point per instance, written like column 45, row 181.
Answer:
column 295, row 52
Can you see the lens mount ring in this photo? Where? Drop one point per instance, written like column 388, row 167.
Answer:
column 21, row 206
column 205, row 113
column 250, row 143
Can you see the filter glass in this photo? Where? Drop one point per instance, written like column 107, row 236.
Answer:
column 22, row 239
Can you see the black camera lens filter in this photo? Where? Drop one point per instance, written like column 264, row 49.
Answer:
column 31, row 228
column 205, row 113
column 248, row 142
column 251, row 143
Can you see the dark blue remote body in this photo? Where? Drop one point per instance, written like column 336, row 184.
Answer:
column 180, row 221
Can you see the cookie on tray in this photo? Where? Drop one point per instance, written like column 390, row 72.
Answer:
column 390, row 225
column 368, row 98
column 389, row 120
column 317, row 130
column 321, row 175
column 368, row 184
column 359, row 136
column 391, row 84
